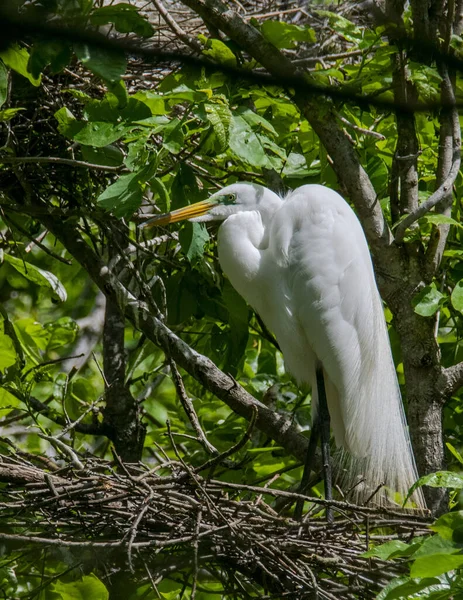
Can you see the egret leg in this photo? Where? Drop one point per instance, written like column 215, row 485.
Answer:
column 320, row 428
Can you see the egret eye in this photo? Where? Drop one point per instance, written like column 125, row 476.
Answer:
column 229, row 199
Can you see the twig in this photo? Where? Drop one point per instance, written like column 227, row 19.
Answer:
column 57, row 160
column 378, row 136
column 241, row 443
column 60, row 445
column 189, row 409
column 175, row 27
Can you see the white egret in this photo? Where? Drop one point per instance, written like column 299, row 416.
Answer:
column 302, row 262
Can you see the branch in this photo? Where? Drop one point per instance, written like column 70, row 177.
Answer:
column 200, row 367
column 21, row 28
column 443, row 190
column 189, row 409
column 452, row 380
column 188, row 40
column 17, row 160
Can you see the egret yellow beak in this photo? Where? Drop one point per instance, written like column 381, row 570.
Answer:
column 187, row 212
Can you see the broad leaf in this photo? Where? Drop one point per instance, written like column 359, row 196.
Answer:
column 125, row 17
column 89, row 586
column 17, row 58
column 218, row 51
column 8, row 356
column 287, row 35
column 109, row 65
column 44, row 279
column 435, row 564
column 428, row 301
column 3, row 84
column 193, row 237
column 246, row 144
column 124, row 196
column 457, row 296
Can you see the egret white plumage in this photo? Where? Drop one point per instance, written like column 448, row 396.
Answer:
column 302, row 262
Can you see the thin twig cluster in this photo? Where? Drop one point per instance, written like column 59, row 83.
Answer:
column 170, row 517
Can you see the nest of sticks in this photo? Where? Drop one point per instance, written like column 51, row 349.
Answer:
column 170, row 520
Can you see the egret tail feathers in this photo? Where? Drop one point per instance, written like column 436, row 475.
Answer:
column 376, row 464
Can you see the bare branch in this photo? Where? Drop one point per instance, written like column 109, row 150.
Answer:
column 175, row 27
column 17, row 160
column 452, row 379
column 442, row 191
column 190, row 409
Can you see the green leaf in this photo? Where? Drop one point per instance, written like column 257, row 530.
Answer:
column 435, row 544
column 155, row 102
column 3, row 84
column 17, row 58
column 218, row 51
column 51, row 52
column 8, row 356
column 160, row 194
column 96, row 133
column 184, row 187
column 436, row 219
column 457, row 296
column 125, row 17
column 246, row 144
column 89, row 586
column 109, row 156
column 238, row 316
column 193, row 237
column 450, row 526
column 219, row 116
column 428, row 301
column 173, row 136
column 455, row 452
column 124, row 196
column 405, row 587
column 286, row 35
column 388, row 550
column 296, row 166
column 442, row 479
column 63, row 333
column 109, row 65
column 44, row 279
column 7, row 400
column 255, row 120
column 435, row 564
column 9, row 113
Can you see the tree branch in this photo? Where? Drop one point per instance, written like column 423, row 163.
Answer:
column 452, row 379
column 188, row 40
column 442, row 191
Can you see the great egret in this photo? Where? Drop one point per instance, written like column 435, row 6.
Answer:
column 303, row 264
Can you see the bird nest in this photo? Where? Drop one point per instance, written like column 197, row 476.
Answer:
column 170, row 520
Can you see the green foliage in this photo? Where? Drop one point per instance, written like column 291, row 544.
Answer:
column 196, row 131
column 286, row 35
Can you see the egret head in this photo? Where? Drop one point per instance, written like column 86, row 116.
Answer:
column 238, row 197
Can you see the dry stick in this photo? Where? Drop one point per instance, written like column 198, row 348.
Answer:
column 56, row 160
column 64, row 448
column 134, row 527
column 175, row 27
column 195, row 551
column 189, row 409
column 246, row 437
column 362, row 130
column 37, row 242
